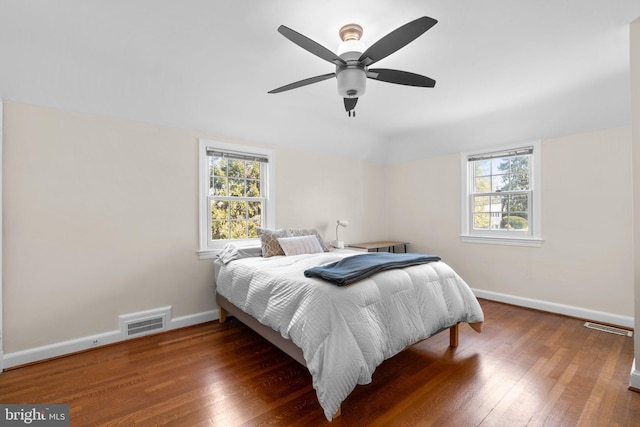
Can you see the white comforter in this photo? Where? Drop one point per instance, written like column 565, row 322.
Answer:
column 346, row 332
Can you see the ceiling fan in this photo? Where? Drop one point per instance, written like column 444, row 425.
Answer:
column 353, row 59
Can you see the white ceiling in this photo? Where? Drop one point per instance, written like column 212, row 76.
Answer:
column 506, row 70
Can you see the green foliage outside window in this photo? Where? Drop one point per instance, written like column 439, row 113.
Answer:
column 232, row 179
column 514, row 222
column 501, row 201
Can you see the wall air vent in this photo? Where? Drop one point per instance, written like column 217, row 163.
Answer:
column 610, row 329
column 145, row 322
column 136, row 328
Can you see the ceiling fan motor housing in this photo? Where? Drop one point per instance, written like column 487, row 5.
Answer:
column 352, row 78
column 352, row 81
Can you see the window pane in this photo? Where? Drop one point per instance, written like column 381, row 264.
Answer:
column 238, row 210
column 518, row 203
column 499, row 183
column 481, row 221
column 253, row 188
column 482, row 184
column 219, row 187
column 520, row 173
column 519, row 181
column 520, row 164
column 219, row 210
column 514, row 222
column 238, row 229
column 252, row 170
column 236, row 169
column 516, row 213
column 219, row 230
column 236, row 187
column 254, row 211
column 482, row 167
column 253, row 228
column 497, row 203
column 481, row 203
column 499, row 166
column 218, row 166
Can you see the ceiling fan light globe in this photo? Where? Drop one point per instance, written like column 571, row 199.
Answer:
column 353, row 48
column 352, row 82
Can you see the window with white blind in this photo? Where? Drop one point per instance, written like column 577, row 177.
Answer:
column 501, row 196
column 236, row 194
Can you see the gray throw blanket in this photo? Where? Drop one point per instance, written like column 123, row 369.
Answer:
column 358, row 267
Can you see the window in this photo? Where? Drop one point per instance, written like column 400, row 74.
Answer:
column 501, row 197
column 235, row 194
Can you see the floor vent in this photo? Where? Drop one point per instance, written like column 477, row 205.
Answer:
column 145, row 322
column 610, row 329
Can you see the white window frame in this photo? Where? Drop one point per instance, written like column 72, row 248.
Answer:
column 532, row 237
column 210, row 248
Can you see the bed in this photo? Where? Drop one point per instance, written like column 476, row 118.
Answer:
column 341, row 333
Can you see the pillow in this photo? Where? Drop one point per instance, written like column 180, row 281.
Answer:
column 300, row 245
column 294, row 232
column 269, row 241
column 231, row 252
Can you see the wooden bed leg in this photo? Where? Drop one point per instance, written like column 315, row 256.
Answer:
column 338, row 413
column 453, row 335
column 222, row 314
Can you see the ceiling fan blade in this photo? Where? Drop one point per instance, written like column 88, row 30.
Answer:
column 350, row 103
column 395, row 40
column 304, row 82
column 400, row 77
column 307, row 44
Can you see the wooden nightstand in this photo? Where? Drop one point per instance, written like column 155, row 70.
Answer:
column 389, row 244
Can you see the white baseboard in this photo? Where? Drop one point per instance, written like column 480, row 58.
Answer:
column 79, row 344
column 634, row 379
column 567, row 310
column 31, row 355
column 193, row 319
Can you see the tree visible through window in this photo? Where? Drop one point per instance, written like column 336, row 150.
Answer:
column 236, row 194
column 501, row 190
column 501, row 195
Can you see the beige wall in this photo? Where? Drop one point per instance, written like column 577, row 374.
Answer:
column 100, row 219
column 586, row 259
column 315, row 190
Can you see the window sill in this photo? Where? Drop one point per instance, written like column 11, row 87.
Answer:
column 531, row 242
column 208, row 253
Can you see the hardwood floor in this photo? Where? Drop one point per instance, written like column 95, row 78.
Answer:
column 526, row 368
